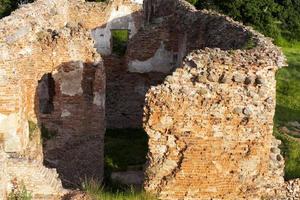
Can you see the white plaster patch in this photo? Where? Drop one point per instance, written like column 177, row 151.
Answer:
column 102, row 40
column 9, row 127
column 70, row 81
column 162, row 61
column 99, row 100
column 65, row 113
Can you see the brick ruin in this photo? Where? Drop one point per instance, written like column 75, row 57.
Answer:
column 209, row 84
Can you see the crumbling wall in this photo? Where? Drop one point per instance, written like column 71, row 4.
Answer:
column 20, row 63
column 126, row 88
column 76, row 124
column 101, row 18
column 210, row 123
column 170, row 32
column 125, row 91
column 40, row 39
column 178, row 28
column 210, row 126
column 75, row 83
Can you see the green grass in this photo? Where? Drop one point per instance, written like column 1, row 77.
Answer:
column 288, row 87
column 288, row 109
column 124, row 149
column 98, row 192
column 290, row 149
column 120, row 39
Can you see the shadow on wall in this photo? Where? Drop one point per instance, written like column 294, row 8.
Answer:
column 154, row 51
column 69, row 104
column 125, row 93
column 129, row 75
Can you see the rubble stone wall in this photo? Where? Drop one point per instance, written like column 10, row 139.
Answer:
column 173, row 29
column 210, row 123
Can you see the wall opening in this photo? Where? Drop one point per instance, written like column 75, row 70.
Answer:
column 74, row 123
column 46, row 93
column 125, row 157
column 120, row 39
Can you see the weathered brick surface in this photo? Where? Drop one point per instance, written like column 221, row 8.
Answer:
column 77, row 122
column 211, row 130
column 210, row 123
column 25, row 56
column 36, row 40
column 125, row 93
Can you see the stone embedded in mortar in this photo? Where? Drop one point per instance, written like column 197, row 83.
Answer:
column 219, row 120
column 239, row 78
column 201, row 124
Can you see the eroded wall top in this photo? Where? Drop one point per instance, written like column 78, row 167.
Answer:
column 36, row 39
column 202, row 28
column 210, row 123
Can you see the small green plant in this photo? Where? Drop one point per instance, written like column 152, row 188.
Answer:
column 19, row 192
column 47, row 134
column 92, row 187
column 32, row 127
